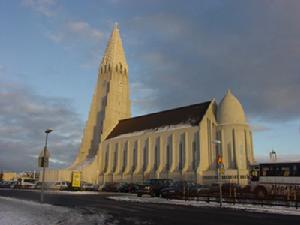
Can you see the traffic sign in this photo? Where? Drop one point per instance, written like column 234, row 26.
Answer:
column 43, row 160
column 219, row 160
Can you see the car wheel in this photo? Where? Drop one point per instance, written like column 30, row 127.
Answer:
column 261, row 193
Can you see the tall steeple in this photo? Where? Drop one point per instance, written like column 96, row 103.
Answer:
column 110, row 102
column 114, row 53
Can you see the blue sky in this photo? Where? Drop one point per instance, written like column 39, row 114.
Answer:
column 179, row 53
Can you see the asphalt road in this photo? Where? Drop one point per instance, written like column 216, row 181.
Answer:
column 128, row 213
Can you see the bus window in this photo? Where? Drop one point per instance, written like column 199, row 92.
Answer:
column 286, row 171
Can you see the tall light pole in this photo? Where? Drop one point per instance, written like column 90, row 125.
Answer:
column 44, row 163
column 219, row 165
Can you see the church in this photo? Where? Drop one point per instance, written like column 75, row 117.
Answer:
column 186, row 143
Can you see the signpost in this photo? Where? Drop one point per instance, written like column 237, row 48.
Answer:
column 43, row 162
column 220, row 167
column 220, row 173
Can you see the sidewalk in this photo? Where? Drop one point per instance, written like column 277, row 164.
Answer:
column 246, row 207
column 22, row 212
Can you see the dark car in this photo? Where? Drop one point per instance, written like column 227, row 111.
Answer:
column 180, row 189
column 227, row 188
column 202, row 189
column 5, row 184
column 153, row 187
column 110, row 187
column 128, row 187
column 231, row 188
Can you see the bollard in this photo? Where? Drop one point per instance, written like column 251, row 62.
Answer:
column 295, row 198
column 234, row 193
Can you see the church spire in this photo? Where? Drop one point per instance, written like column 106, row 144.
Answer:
column 114, row 53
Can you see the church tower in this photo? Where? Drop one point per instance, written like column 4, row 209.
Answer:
column 235, row 134
column 110, row 101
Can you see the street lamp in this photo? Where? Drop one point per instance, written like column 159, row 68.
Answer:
column 44, row 162
column 219, row 165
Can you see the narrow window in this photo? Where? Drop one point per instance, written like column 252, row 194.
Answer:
column 169, row 153
column 106, row 157
column 115, row 158
column 125, row 158
column 182, row 152
column 157, row 152
column 145, row 156
column 134, row 156
column 233, row 150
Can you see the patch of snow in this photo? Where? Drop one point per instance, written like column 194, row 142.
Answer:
column 77, row 192
column 246, row 207
column 22, row 212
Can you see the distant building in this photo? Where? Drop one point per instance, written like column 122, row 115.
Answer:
column 8, row 176
column 181, row 143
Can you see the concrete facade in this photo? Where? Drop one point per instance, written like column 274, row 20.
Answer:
column 182, row 151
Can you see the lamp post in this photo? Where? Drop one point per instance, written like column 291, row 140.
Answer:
column 44, row 163
column 219, row 165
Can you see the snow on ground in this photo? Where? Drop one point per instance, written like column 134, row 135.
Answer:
column 22, row 212
column 246, row 207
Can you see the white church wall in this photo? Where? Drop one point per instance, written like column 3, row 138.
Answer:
column 151, row 140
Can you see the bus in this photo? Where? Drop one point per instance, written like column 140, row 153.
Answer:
column 276, row 179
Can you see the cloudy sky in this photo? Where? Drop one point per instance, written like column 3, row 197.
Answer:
column 179, row 53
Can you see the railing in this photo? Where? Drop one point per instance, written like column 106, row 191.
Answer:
column 243, row 198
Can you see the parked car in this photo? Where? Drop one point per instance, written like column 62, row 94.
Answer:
column 202, row 189
column 13, row 184
column 227, row 188
column 62, row 185
column 128, row 187
column 85, row 186
column 180, row 189
column 110, row 187
column 38, row 185
column 153, row 187
column 26, row 183
column 5, row 184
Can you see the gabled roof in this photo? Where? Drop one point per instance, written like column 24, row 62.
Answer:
column 190, row 115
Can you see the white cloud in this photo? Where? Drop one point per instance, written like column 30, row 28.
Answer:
column 259, row 128
column 84, row 29
column 24, row 116
column 44, row 7
column 74, row 31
